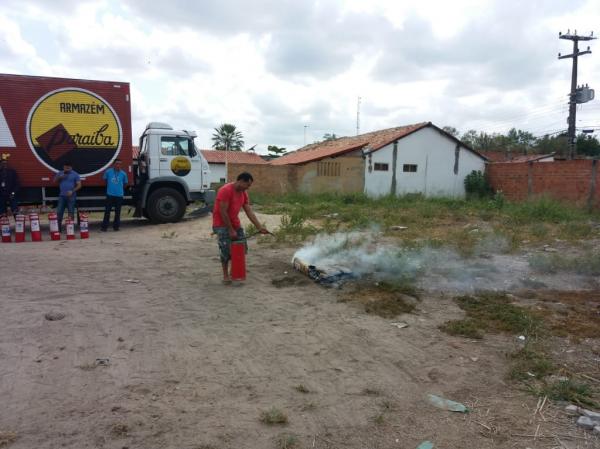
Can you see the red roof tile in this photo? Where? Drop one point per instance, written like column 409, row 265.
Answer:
column 503, row 156
column 236, row 157
column 374, row 140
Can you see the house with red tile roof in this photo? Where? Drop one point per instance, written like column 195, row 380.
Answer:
column 419, row 158
column 216, row 160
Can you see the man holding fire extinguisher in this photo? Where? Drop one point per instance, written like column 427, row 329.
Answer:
column 226, row 223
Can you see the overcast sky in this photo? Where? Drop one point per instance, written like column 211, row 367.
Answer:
column 273, row 66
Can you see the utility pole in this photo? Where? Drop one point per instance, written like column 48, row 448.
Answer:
column 573, row 100
column 358, row 117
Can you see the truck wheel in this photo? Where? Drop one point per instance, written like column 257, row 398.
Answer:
column 165, row 205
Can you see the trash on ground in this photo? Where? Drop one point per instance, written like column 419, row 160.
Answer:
column 133, row 281
column 102, row 362
column 447, row 404
column 425, row 445
column 587, row 419
column 398, row 228
column 400, row 325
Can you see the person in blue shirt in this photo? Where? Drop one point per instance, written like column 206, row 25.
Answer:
column 116, row 180
column 69, row 183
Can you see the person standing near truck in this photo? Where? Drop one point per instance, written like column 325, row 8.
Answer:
column 69, row 183
column 226, row 223
column 9, row 187
column 116, row 180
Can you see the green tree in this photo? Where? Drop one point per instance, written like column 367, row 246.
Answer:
column 451, row 130
column 329, row 136
column 227, row 137
column 275, row 151
column 588, row 145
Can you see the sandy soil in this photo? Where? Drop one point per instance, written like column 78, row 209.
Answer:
column 192, row 364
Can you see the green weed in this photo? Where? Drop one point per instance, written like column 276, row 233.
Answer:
column 568, row 390
column 492, row 312
column 529, row 362
column 273, row 416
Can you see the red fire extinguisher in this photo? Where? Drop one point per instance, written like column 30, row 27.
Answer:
column 238, row 260
column 20, row 228
column 84, row 231
column 6, row 237
column 70, row 229
column 53, row 220
column 34, row 225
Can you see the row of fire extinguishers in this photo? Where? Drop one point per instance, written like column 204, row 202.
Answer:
column 35, row 230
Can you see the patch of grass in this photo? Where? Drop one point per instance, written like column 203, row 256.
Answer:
column 492, row 312
column 273, row 416
column 119, row 430
column 379, row 419
column 293, row 227
column 404, row 286
column 568, row 390
column 288, row 442
column 427, row 218
column 7, row 438
column 586, row 264
column 464, row 328
column 301, row 389
column 386, row 299
column 529, row 361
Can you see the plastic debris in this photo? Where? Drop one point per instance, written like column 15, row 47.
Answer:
column 447, row 404
column 103, row 362
column 399, row 325
column 425, row 445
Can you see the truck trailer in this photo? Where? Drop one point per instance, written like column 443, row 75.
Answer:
column 46, row 121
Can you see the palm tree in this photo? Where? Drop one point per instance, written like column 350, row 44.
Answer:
column 227, row 138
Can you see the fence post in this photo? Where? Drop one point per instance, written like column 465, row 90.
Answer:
column 529, row 179
column 593, row 183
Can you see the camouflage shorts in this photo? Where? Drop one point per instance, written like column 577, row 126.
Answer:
column 225, row 242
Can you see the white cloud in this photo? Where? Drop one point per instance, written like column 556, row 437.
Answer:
column 272, row 67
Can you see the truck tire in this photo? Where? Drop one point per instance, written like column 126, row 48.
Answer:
column 165, row 205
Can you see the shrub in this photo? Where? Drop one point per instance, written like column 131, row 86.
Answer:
column 477, row 185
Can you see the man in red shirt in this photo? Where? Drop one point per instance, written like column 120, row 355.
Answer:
column 226, row 224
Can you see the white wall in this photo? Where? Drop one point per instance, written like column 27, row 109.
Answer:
column 217, row 172
column 433, row 154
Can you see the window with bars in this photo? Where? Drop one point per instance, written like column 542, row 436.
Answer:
column 379, row 166
column 328, row 169
column 409, row 168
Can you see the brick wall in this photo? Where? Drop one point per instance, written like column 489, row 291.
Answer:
column 274, row 179
column 573, row 181
column 280, row 179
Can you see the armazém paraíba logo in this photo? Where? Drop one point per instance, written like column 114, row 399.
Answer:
column 74, row 125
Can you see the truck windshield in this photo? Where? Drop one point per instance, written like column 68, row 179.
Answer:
column 177, row 146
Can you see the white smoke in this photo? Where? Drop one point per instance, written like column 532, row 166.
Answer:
column 365, row 255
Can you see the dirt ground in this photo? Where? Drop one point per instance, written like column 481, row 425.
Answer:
column 154, row 352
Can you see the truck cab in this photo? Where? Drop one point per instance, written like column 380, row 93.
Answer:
column 169, row 174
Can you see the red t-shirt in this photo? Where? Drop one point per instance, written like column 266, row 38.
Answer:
column 236, row 200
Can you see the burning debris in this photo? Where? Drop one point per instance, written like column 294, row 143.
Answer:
column 331, row 276
column 334, row 259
